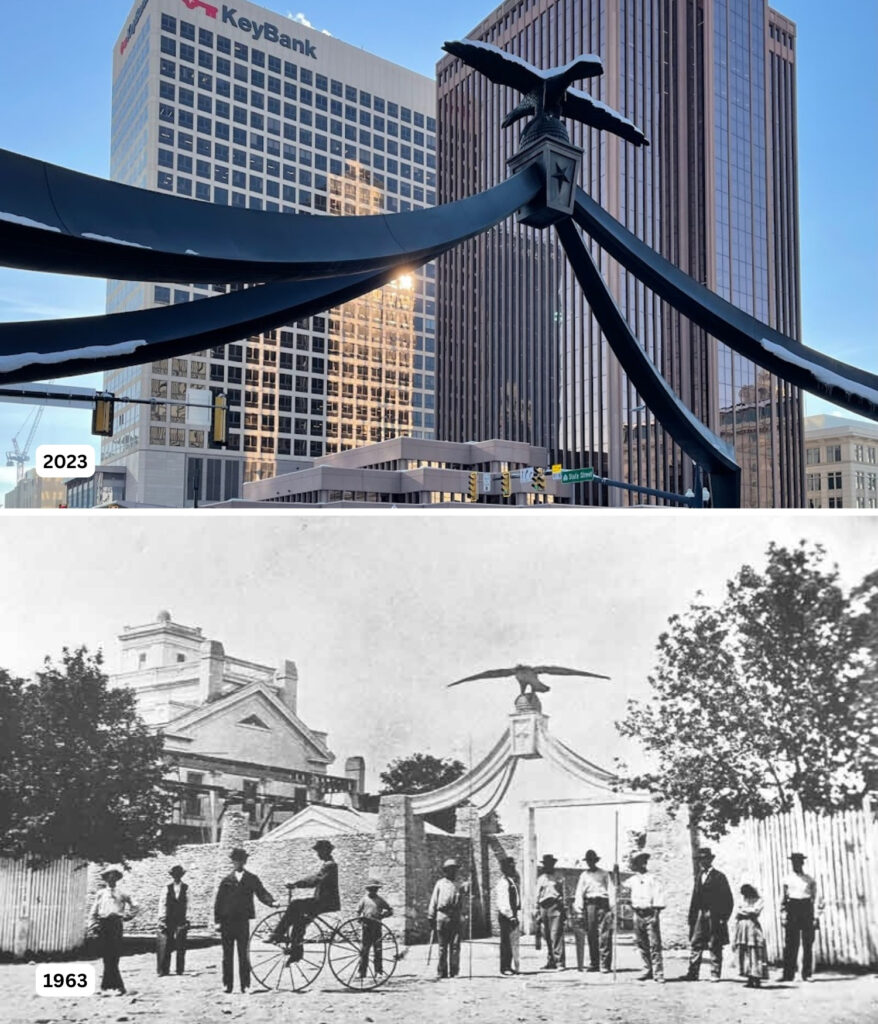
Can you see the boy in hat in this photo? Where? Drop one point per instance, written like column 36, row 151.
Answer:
column 798, row 916
column 444, row 914
column 550, row 903
column 111, row 907
column 324, row 882
column 371, row 910
column 591, row 904
column 233, row 910
column 647, row 903
column 709, row 911
column 173, row 923
column 508, row 900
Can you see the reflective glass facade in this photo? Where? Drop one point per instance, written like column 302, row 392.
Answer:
column 314, row 126
column 520, row 355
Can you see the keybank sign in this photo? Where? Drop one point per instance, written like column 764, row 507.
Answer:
column 132, row 26
column 264, row 30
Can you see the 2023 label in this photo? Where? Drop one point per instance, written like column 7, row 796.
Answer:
column 65, row 460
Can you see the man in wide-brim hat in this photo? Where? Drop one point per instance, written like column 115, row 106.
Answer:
column 110, row 909
column 592, row 918
column 799, row 911
column 173, row 923
column 444, row 912
column 324, row 881
column 551, row 902
column 647, row 903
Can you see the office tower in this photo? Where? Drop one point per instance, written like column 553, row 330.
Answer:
column 241, row 106
column 712, row 84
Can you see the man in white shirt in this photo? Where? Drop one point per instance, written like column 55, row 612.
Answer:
column 798, row 916
column 647, row 903
column 594, row 897
column 111, row 907
column 444, row 914
column 507, row 898
column 550, row 900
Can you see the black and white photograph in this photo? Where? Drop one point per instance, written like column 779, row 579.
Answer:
column 255, row 767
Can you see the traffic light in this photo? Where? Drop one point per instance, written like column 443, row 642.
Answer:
column 473, row 490
column 505, row 483
column 219, row 420
column 102, row 415
column 539, row 479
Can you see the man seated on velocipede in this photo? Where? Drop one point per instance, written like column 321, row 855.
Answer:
column 324, row 882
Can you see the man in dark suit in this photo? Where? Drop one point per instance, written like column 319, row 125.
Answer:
column 173, row 923
column 709, row 912
column 324, row 882
column 233, row 910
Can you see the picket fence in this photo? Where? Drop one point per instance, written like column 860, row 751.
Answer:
column 43, row 907
column 842, row 857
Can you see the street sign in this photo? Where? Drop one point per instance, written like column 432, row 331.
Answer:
column 577, row 476
column 527, row 475
column 486, row 483
column 557, row 470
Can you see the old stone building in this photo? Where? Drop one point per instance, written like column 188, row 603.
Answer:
column 231, row 731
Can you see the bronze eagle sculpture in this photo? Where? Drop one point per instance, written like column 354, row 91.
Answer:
column 528, row 676
column 547, row 94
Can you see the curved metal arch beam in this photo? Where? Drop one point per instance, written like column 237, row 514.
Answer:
column 487, row 771
column 696, row 440
column 61, row 221
column 555, row 752
column 39, row 349
column 847, row 386
column 493, row 802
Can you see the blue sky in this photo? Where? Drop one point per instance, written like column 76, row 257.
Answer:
column 55, row 74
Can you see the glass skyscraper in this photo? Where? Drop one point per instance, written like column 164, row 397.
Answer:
column 245, row 107
column 712, row 84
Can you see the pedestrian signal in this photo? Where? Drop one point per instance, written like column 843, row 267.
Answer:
column 102, row 415
column 506, row 483
column 539, row 483
column 473, row 490
column 219, row 420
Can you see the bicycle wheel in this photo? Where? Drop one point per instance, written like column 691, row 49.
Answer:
column 277, row 965
column 355, row 967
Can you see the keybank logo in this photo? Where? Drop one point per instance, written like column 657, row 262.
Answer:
column 132, row 27
column 264, row 30
column 211, row 9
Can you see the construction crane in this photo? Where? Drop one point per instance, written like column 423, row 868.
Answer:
column 19, row 455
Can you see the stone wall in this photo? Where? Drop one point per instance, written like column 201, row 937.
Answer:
column 274, row 861
column 670, row 845
column 496, row 847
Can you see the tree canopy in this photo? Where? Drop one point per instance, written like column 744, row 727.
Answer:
column 765, row 697
column 81, row 774
column 420, row 773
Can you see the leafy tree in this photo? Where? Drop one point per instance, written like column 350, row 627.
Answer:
column 81, row 773
column 760, row 700
column 421, row 773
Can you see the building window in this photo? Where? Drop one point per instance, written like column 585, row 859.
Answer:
column 835, row 503
column 833, row 482
column 833, row 453
column 814, row 480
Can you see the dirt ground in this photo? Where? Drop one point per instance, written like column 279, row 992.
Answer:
column 481, row 994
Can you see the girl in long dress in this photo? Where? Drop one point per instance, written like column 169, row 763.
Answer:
column 749, row 938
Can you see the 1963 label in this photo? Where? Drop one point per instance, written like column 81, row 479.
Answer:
column 65, row 980
column 65, row 460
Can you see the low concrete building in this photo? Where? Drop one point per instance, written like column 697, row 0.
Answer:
column 411, row 471
column 34, row 491
column 107, row 485
column 841, row 462
column 232, row 735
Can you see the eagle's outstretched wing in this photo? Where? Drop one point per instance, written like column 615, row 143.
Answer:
column 556, row 670
column 582, row 107
column 496, row 65
column 492, row 673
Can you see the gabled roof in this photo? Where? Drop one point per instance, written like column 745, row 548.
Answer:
column 320, row 820
column 222, row 705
